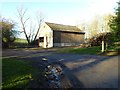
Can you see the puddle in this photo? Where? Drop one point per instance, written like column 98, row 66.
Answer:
column 53, row 75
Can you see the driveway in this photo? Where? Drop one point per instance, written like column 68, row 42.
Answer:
column 81, row 71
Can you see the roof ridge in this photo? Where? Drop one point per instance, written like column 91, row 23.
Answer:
column 62, row 27
column 61, row 24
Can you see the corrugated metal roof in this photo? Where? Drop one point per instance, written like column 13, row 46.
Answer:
column 61, row 27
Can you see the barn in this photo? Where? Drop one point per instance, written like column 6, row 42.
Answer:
column 58, row 35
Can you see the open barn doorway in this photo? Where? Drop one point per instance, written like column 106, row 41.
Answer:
column 43, row 42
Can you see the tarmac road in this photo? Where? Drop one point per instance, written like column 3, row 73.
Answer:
column 82, row 71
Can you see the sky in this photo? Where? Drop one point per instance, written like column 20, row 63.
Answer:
column 70, row 12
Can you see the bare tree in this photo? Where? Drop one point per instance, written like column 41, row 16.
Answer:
column 23, row 20
column 105, row 30
column 94, row 27
column 98, row 27
column 40, row 19
column 21, row 15
column 31, row 33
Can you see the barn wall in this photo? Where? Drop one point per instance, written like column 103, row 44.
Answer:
column 72, row 38
column 56, row 37
column 67, row 38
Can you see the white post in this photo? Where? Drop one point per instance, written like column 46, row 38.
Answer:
column 102, row 45
column 38, row 41
column 106, row 45
column 44, row 41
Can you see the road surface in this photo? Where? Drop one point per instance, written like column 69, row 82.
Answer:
column 81, row 71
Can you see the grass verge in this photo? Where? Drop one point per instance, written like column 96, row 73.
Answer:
column 89, row 50
column 17, row 73
column 95, row 50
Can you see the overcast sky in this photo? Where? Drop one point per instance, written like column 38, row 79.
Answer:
column 59, row 11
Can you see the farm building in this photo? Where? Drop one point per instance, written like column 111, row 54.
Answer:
column 57, row 35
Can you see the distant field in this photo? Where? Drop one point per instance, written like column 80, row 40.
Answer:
column 18, row 40
column 19, row 43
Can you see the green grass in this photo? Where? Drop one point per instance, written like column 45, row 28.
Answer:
column 90, row 50
column 16, row 73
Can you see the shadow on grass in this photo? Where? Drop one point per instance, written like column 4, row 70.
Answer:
column 16, row 73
